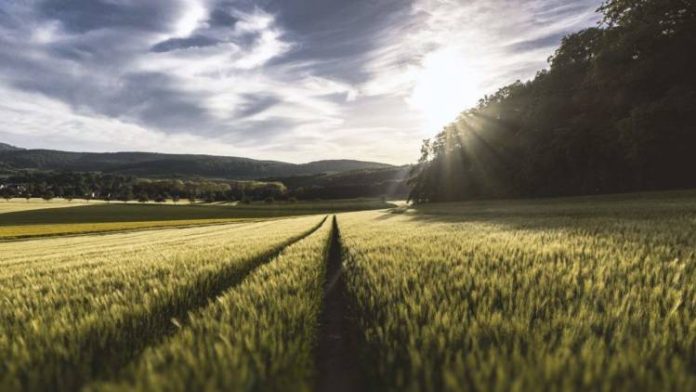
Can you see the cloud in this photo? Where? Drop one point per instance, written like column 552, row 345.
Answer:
column 455, row 51
column 272, row 79
column 196, row 41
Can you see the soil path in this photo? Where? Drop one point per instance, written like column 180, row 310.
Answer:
column 337, row 353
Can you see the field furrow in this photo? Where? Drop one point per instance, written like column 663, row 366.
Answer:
column 258, row 335
column 337, row 353
column 71, row 317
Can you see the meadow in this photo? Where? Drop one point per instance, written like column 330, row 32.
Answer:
column 590, row 293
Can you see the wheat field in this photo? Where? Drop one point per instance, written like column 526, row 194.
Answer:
column 562, row 294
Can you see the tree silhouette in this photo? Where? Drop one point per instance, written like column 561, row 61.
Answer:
column 613, row 113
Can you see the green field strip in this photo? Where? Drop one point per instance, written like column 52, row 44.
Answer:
column 100, row 350
column 258, row 335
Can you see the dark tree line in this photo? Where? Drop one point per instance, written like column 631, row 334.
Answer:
column 79, row 185
column 372, row 183
column 615, row 112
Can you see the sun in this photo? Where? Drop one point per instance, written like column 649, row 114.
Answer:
column 446, row 85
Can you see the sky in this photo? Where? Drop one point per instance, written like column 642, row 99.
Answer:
column 289, row 80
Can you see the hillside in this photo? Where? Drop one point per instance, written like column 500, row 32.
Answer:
column 155, row 165
column 389, row 182
column 7, row 147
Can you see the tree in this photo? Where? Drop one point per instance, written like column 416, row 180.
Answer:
column 48, row 196
column 612, row 113
column 666, row 13
column 6, row 194
column 209, row 197
column 69, row 195
column 126, row 195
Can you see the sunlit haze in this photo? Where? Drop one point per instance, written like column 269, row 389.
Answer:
column 296, row 80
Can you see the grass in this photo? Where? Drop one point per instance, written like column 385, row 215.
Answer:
column 575, row 294
column 79, row 308
column 256, row 336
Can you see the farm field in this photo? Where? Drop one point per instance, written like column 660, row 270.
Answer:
column 101, row 217
column 257, row 336
column 560, row 294
column 15, row 205
column 13, row 232
column 575, row 294
column 78, row 308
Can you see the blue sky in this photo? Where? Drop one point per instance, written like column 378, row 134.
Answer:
column 292, row 80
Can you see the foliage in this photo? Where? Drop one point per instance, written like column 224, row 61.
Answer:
column 371, row 182
column 389, row 182
column 117, row 187
column 614, row 113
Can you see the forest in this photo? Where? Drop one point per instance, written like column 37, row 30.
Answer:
column 88, row 185
column 614, row 112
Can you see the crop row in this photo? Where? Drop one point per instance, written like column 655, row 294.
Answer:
column 524, row 303
column 78, row 308
column 258, row 335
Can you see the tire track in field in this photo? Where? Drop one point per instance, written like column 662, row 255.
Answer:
column 337, row 356
column 104, row 353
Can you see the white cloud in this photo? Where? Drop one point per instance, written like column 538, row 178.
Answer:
column 224, row 88
column 458, row 51
column 192, row 14
column 32, row 120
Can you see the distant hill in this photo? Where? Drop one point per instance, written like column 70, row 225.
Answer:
column 154, row 165
column 388, row 182
column 7, row 147
column 340, row 166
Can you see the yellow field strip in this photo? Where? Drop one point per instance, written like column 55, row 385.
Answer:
column 27, row 231
column 15, row 205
